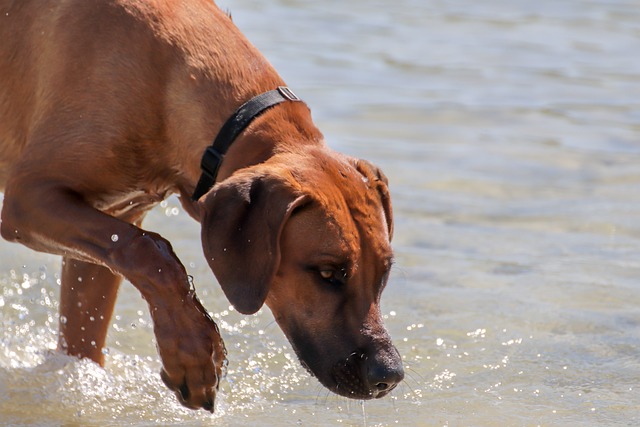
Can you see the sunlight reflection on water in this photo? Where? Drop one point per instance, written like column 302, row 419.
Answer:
column 509, row 131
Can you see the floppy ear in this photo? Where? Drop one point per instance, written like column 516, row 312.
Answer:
column 380, row 183
column 243, row 220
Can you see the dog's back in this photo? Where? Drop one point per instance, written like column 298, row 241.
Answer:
column 110, row 69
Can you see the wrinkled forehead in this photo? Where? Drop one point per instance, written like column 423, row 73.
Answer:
column 352, row 208
column 317, row 231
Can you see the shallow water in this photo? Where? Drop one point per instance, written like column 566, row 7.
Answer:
column 510, row 132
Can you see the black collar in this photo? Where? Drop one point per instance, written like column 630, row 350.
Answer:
column 239, row 120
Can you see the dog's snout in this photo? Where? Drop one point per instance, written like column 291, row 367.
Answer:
column 383, row 376
column 368, row 375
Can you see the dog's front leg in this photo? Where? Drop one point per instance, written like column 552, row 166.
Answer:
column 188, row 340
column 60, row 222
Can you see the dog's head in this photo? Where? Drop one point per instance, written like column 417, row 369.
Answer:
column 309, row 235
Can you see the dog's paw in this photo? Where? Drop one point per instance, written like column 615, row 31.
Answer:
column 193, row 355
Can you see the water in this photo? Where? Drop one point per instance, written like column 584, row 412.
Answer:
column 510, row 133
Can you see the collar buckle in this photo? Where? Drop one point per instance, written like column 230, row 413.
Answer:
column 211, row 161
column 288, row 93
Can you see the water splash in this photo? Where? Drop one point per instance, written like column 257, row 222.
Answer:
column 37, row 383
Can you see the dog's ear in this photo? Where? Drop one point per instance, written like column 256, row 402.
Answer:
column 241, row 228
column 380, row 183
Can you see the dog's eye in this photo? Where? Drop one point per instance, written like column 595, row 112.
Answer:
column 333, row 276
column 326, row 274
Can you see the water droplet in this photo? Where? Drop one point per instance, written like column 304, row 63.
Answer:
column 63, row 320
column 114, row 237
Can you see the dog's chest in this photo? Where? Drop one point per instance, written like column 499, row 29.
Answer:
column 124, row 205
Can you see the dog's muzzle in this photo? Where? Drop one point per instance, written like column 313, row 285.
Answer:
column 362, row 376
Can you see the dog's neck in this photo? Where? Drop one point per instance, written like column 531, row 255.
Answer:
column 284, row 127
column 234, row 126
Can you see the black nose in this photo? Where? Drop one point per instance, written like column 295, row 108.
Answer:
column 384, row 374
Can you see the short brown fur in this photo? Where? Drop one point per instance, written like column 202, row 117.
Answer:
column 106, row 107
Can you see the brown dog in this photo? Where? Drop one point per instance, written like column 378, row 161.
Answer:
column 106, row 108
